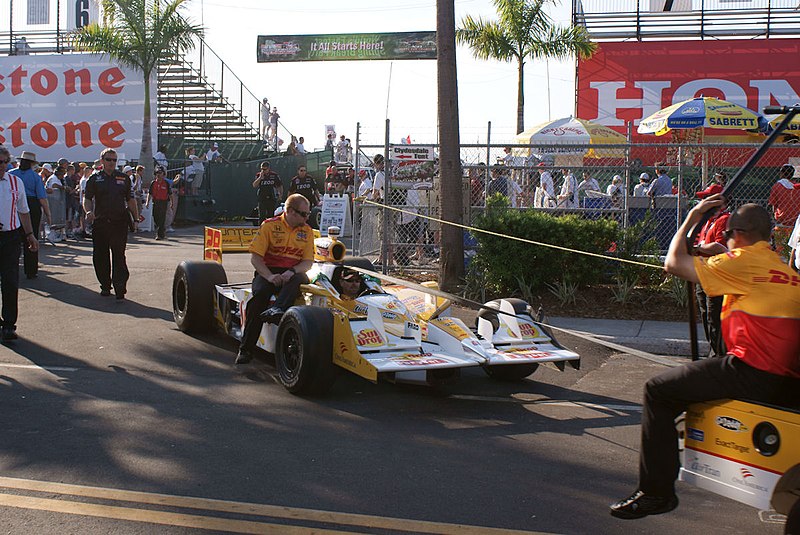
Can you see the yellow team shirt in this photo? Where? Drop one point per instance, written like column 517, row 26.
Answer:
column 761, row 309
column 281, row 245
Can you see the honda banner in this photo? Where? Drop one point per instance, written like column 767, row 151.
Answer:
column 628, row 81
column 71, row 106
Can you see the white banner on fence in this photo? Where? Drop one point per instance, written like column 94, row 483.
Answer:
column 405, row 152
column 72, row 106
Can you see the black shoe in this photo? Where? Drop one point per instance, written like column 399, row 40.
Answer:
column 105, row 292
column 120, row 296
column 31, row 275
column 272, row 315
column 9, row 334
column 243, row 356
column 640, row 505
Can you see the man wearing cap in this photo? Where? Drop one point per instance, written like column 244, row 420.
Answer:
column 213, row 154
column 109, row 205
column 14, row 216
column 761, row 328
column 720, row 177
column 640, row 189
column 281, row 253
column 662, row 184
column 37, row 203
column 160, row 194
column 269, row 189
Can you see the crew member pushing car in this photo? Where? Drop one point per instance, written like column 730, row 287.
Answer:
column 281, row 253
column 761, row 328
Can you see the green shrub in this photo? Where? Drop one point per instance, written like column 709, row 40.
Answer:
column 509, row 261
column 632, row 245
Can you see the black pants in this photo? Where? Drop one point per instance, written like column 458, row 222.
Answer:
column 10, row 244
column 670, row 393
column 30, row 259
column 710, row 310
column 160, row 217
column 108, row 254
column 266, row 208
column 263, row 290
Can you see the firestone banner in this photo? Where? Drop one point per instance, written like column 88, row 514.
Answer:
column 71, row 106
column 354, row 46
column 627, row 82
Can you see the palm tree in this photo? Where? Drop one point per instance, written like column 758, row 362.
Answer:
column 139, row 34
column 523, row 31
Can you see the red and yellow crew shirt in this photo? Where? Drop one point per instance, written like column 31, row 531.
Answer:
column 761, row 308
column 281, row 245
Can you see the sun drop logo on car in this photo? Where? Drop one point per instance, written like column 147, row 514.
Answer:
column 731, row 424
column 527, row 330
column 369, row 337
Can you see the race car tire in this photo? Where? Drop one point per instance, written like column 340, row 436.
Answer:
column 304, row 350
column 315, row 218
column 193, row 294
column 520, row 307
column 510, row 372
column 360, row 262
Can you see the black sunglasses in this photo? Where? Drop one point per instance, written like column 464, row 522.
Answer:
column 4, row 161
column 301, row 213
column 110, row 159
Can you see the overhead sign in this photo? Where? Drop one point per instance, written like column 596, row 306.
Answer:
column 629, row 81
column 351, row 46
column 71, row 106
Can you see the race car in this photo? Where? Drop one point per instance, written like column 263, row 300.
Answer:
column 397, row 332
column 746, row 451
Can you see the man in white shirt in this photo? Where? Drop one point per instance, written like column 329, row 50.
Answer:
column 568, row 198
column 301, row 149
column 213, row 154
column 546, row 192
column 160, row 157
column 14, row 214
column 640, row 189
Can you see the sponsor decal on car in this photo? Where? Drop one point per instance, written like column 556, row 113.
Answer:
column 418, row 359
column 730, row 444
column 747, row 479
column 528, row 330
column 369, row 337
column 731, row 424
column 523, row 353
column 703, row 468
column 695, row 434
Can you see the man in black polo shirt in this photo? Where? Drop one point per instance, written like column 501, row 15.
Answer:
column 107, row 201
column 270, row 191
column 305, row 186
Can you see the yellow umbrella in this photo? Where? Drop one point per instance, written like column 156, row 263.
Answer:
column 571, row 131
column 792, row 131
column 697, row 112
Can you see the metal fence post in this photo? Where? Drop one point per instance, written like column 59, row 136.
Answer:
column 387, row 184
column 488, row 162
column 680, row 188
column 357, row 187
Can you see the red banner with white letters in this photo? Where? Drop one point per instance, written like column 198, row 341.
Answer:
column 628, row 81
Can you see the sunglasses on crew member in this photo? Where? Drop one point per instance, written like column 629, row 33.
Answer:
column 301, row 213
column 110, row 159
column 4, row 161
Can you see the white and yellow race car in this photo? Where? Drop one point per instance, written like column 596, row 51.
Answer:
column 398, row 331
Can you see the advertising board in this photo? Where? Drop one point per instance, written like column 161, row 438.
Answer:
column 71, row 106
column 628, row 81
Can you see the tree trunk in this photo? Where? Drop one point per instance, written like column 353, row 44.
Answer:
column 451, row 260
column 146, row 150
column 520, row 96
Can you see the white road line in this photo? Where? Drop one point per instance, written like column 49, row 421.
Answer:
column 35, row 367
column 545, row 401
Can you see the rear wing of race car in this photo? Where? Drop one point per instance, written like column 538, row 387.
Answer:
column 231, row 240
column 226, row 240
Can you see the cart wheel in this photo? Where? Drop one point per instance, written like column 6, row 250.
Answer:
column 193, row 294
column 304, row 350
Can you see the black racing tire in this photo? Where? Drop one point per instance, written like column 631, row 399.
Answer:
column 193, row 294
column 360, row 262
column 506, row 372
column 304, row 351
column 510, row 372
column 315, row 218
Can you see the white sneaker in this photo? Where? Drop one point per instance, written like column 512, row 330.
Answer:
column 170, row 229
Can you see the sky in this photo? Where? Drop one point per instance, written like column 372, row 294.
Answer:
column 310, row 95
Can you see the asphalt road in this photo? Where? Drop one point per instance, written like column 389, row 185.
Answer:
column 113, row 421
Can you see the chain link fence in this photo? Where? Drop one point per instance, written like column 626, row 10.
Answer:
column 609, row 182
